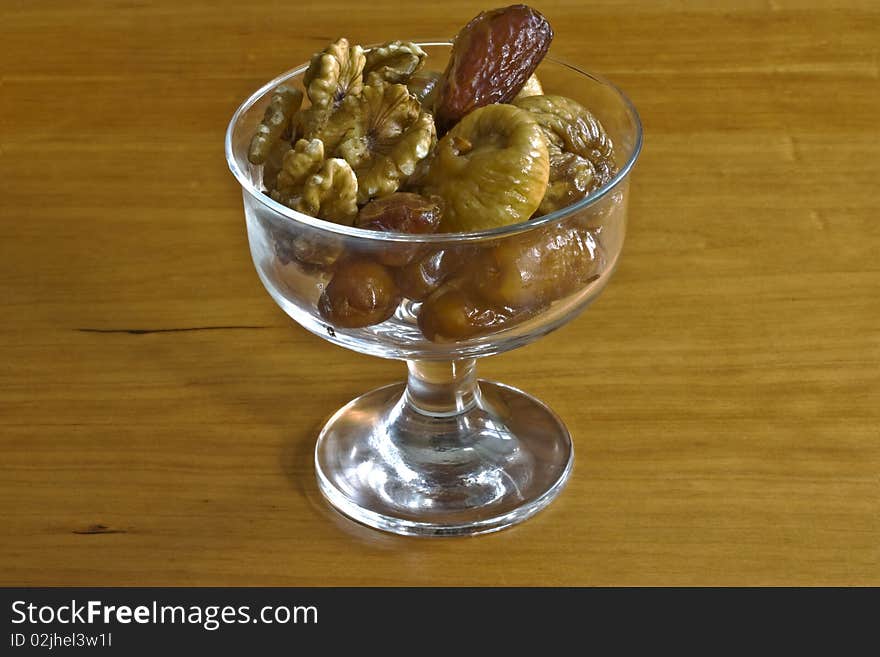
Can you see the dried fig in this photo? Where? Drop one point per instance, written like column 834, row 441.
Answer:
column 572, row 178
column 490, row 170
column 284, row 103
column 492, row 57
column 395, row 62
column 581, row 152
column 530, row 270
column 509, row 282
column 454, row 313
column 532, row 87
column 420, row 278
column 382, row 133
column 572, row 128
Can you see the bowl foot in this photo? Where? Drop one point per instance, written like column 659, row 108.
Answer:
column 385, row 464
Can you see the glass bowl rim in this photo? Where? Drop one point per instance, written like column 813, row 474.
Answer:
column 364, row 233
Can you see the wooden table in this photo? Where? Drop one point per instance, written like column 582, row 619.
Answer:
column 158, row 411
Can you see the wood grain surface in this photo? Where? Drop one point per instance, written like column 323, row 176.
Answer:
column 158, row 412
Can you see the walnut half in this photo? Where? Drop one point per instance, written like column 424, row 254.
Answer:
column 382, row 133
column 308, row 183
column 334, row 73
column 395, row 61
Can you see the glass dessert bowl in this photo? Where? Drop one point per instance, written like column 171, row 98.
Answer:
column 443, row 453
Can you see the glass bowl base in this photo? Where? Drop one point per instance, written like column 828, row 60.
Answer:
column 388, row 465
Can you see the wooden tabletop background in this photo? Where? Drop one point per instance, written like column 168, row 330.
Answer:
column 158, row 412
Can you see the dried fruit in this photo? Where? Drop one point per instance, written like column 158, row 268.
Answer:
column 581, row 152
column 492, row 57
column 310, row 248
column 284, row 103
column 395, row 62
column 308, row 183
column 571, row 128
column 361, row 293
column 382, row 133
column 532, row 87
column 490, row 170
column 419, row 279
column 530, row 270
column 454, row 313
column 303, row 284
column 571, row 179
column 334, row 73
column 509, row 282
column 401, row 212
column 423, row 85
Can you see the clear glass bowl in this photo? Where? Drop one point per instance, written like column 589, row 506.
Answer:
column 444, row 453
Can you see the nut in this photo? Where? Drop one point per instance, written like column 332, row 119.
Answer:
column 298, row 164
column 334, row 73
column 382, row 133
column 492, row 57
column 490, row 170
column 284, row 103
column 361, row 293
column 267, row 173
column 395, row 61
column 308, row 183
column 331, row 193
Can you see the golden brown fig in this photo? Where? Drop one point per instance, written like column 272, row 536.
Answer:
column 509, row 282
column 531, row 270
column 453, row 313
column 490, row 170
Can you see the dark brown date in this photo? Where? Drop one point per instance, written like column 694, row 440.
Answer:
column 492, row 57
column 418, row 279
column 401, row 212
column 361, row 293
